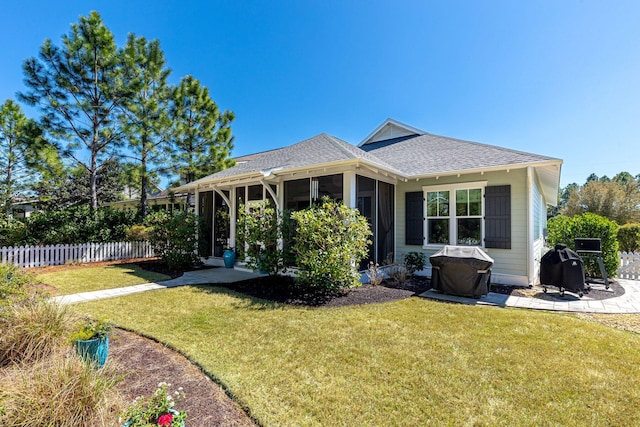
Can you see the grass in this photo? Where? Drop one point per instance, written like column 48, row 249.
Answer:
column 96, row 278
column 410, row 362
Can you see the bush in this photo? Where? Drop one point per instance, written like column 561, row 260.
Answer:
column 62, row 391
column 173, row 237
column 260, row 228
column 14, row 283
column 398, row 272
column 629, row 238
column 563, row 229
column 33, row 331
column 329, row 239
column 11, row 230
column 77, row 225
column 137, row 233
column 414, row 261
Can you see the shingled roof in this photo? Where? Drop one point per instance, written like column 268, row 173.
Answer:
column 321, row 149
column 427, row 154
column 394, row 147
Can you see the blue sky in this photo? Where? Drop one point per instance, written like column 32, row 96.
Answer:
column 559, row 77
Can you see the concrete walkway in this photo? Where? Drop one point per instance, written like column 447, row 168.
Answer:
column 629, row 302
column 201, row 277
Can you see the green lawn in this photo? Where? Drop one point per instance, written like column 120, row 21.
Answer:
column 94, row 278
column 411, row 362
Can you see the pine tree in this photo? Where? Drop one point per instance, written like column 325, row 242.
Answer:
column 22, row 151
column 201, row 133
column 78, row 88
column 145, row 113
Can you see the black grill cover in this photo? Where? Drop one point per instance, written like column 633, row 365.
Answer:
column 461, row 270
column 563, row 268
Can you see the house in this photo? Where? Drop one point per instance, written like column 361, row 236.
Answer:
column 418, row 191
column 161, row 200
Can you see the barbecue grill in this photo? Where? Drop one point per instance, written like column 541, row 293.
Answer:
column 461, row 270
column 563, row 268
column 592, row 249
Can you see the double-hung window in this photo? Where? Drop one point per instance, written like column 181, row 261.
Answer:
column 455, row 214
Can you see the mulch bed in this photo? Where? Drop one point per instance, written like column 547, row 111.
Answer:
column 145, row 363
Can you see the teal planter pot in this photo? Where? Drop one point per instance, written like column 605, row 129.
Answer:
column 95, row 350
column 229, row 258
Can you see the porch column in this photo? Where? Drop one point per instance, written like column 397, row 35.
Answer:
column 349, row 189
column 232, row 216
column 197, row 212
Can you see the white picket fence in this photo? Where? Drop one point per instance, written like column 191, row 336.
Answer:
column 40, row 256
column 629, row 265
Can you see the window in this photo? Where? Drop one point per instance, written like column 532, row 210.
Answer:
column 438, row 217
column 454, row 214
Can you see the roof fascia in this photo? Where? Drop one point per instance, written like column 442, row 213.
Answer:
column 490, row 169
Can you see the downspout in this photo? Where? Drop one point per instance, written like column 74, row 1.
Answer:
column 530, row 231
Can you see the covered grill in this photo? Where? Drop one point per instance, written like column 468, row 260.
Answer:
column 563, row 268
column 461, row 270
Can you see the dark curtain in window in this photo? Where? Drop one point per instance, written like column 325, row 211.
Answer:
column 297, row 194
column 385, row 221
column 366, row 204
column 206, row 213
column 221, row 225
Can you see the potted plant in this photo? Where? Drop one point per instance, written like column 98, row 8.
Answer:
column 157, row 410
column 91, row 340
column 229, row 257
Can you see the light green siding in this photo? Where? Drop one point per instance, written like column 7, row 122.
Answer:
column 511, row 262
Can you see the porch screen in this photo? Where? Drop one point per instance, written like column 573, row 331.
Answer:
column 386, row 221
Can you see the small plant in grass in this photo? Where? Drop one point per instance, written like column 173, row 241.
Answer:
column 374, row 273
column 414, row 261
column 14, row 284
column 398, row 272
column 90, row 327
column 157, row 410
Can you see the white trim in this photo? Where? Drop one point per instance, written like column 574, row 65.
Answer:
column 530, row 222
column 453, row 224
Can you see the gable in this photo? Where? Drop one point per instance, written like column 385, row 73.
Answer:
column 390, row 130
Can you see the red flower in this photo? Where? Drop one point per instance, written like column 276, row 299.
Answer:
column 165, row 420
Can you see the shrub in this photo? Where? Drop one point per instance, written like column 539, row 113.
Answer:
column 398, row 272
column 62, row 391
column 374, row 273
column 329, row 239
column 563, row 229
column 173, row 237
column 12, row 231
column 33, row 331
column 629, row 237
column 14, row 283
column 414, row 261
column 260, row 229
column 137, row 233
column 78, row 225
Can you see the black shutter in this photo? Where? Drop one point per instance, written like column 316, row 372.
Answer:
column 414, row 220
column 497, row 224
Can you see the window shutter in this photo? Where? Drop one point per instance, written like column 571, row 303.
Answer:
column 414, row 218
column 497, row 224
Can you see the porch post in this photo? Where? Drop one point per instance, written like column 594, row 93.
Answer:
column 349, row 189
column 232, row 216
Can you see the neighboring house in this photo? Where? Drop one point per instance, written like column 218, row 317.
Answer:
column 23, row 208
column 162, row 200
column 419, row 192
